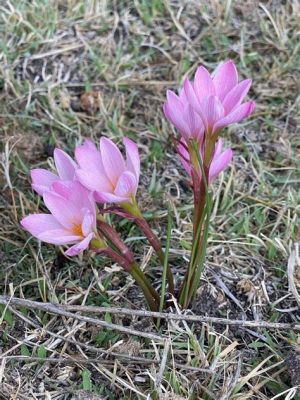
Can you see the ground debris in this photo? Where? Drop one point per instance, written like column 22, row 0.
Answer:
column 293, row 366
column 86, row 395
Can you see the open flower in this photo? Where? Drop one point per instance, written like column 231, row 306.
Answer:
column 42, row 179
column 72, row 219
column 219, row 162
column 106, row 173
column 179, row 112
column 218, row 98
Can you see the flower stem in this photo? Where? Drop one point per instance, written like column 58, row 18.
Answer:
column 151, row 295
column 115, row 239
column 134, row 210
column 155, row 243
column 202, row 208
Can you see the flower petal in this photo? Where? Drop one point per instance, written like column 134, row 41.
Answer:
column 65, row 166
column 236, row 115
column 219, row 164
column 127, row 185
column 132, row 157
column 88, row 223
column 203, row 84
column 105, row 197
column 75, row 193
column 59, row 237
column 226, row 77
column 113, row 161
column 184, row 158
column 80, row 247
column 234, row 98
column 92, row 181
column 218, row 148
column 38, row 223
column 42, row 180
column 66, row 213
column 213, row 110
column 191, row 96
column 194, row 123
column 90, row 161
column 173, row 110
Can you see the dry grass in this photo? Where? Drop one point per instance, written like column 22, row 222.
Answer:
column 77, row 69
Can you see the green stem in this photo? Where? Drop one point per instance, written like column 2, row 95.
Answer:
column 201, row 214
column 150, row 293
column 165, row 269
column 134, row 210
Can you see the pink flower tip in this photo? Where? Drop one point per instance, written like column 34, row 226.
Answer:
column 72, row 218
column 111, row 177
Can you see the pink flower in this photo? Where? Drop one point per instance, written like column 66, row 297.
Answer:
column 178, row 111
column 72, row 219
column 218, row 98
column 42, row 179
column 106, row 173
column 220, row 160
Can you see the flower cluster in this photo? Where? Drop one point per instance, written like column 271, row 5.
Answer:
column 199, row 112
column 71, row 194
column 204, row 107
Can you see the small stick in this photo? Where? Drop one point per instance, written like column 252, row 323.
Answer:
column 122, row 357
column 290, row 273
column 59, row 309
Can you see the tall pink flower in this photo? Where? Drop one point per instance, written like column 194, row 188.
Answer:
column 218, row 98
column 72, row 219
column 42, row 179
column 179, row 112
column 219, row 162
column 106, row 173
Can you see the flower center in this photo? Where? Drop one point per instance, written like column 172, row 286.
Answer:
column 77, row 230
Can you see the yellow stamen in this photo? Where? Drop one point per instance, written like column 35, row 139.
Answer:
column 77, row 230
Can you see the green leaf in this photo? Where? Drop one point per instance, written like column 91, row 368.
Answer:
column 107, row 318
column 86, row 380
column 42, row 351
column 25, row 351
column 6, row 315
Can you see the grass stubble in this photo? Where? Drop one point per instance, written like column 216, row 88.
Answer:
column 77, row 69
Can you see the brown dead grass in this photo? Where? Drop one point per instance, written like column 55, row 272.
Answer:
column 130, row 53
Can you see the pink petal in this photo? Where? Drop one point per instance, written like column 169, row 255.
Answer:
column 184, row 158
column 226, row 77
column 182, row 96
column 236, row 95
column 219, row 164
column 113, row 161
column 105, row 197
column 191, row 96
column 236, row 115
column 132, row 157
column 88, row 223
column 218, row 148
column 75, row 193
column 92, row 180
column 66, row 213
column 213, row 110
column 42, row 180
column 80, row 247
column 38, row 223
column 90, row 161
column 65, row 166
column 127, row 185
column 203, row 84
column 88, row 157
column 173, row 110
column 59, row 237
